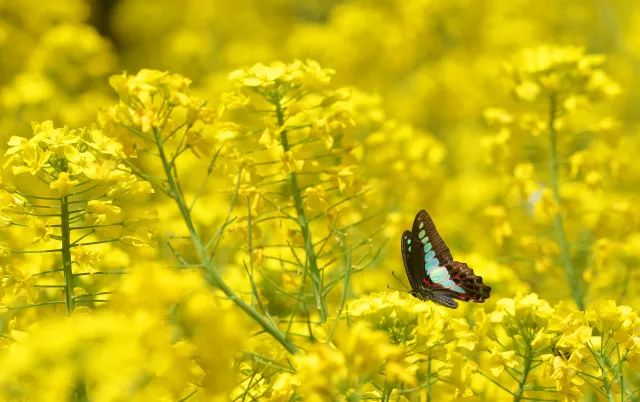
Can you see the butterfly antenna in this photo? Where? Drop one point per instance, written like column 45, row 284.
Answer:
column 399, row 280
column 399, row 290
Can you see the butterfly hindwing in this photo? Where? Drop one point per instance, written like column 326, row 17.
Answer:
column 464, row 277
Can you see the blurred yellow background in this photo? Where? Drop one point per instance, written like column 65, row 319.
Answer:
column 512, row 122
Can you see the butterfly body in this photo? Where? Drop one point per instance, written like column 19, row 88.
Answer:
column 432, row 271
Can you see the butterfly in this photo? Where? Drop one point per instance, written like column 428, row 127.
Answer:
column 432, row 272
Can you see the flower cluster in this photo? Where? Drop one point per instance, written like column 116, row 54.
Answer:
column 556, row 88
column 360, row 357
column 65, row 158
column 300, row 182
column 55, row 65
column 129, row 351
column 438, row 344
column 545, row 349
column 157, row 106
column 65, row 190
column 566, row 72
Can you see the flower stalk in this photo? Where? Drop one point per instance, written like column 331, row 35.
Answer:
column 558, row 222
column 429, row 379
column 212, row 274
column 67, row 269
column 316, row 277
column 528, row 357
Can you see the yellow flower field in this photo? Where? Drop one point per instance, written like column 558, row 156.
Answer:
column 205, row 200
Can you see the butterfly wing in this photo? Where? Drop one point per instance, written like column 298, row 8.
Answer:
column 466, row 279
column 424, row 222
column 414, row 273
column 445, row 277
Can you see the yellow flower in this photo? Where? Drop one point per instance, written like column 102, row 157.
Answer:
column 5, row 220
column 199, row 145
column 127, row 185
column 290, row 163
column 315, row 198
column 103, row 212
column 527, row 91
column 63, row 183
column 524, row 179
column 394, row 312
column 620, row 322
column 262, row 76
column 502, row 228
column 601, row 83
column 78, row 161
column 322, row 373
column 259, row 74
column 545, row 206
column 576, row 339
column 314, row 75
column 84, row 259
column 564, row 373
column 26, row 157
column 18, row 286
column 496, row 116
column 157, row 106
column 103, row 144
column 57, row 139
column 5, row 250
column 283, row 387
column 42, row 228
column 499, row 360
column 361, row 355
column 561, row 71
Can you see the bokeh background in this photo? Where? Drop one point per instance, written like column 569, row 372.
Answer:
column 448, row 111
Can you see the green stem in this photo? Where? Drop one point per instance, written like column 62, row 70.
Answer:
column 345, row 292
column 606, row 384
column 429, row 379
column 65, row 233
column 496, row 383
column 608, row 388
column 525, row 372
column 212, row 274
column 620, row 373
column 35, row 305
column 303, row 221
column 565, row 254
column 80, row 392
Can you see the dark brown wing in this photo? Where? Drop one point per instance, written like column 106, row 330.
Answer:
column 407, row 246
column 442, row 251
column 464, row 277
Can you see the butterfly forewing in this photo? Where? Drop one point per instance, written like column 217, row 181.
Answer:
column 424, row 222
column 429, row 255
column 414, row 274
